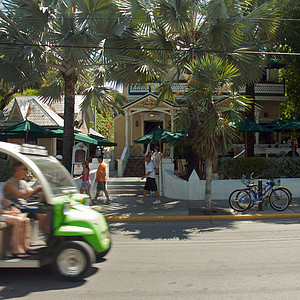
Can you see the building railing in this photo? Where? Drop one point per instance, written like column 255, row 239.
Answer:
column 123, row 161
column 267, row 88
column 150, row 87
column 262, row 88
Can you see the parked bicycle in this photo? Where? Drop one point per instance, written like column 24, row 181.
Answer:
column 278, row 197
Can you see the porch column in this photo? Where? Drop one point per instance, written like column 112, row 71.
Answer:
column 126, row 128
column 257, row 133
column 172, row 129
column 172, row 121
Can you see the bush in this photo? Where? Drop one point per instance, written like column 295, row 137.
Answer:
column 262, row 167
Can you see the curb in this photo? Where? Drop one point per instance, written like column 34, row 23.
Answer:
column 200, row 218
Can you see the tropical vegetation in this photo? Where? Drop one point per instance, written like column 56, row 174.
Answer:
column 59, row 44
column 288, row 41
column 184, row 31
column 208, row 113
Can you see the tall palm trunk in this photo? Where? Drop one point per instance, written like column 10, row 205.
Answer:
column 68, row 136
column 208, row 175
column 250, row 115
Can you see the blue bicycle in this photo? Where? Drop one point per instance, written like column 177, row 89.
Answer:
column 279, row 198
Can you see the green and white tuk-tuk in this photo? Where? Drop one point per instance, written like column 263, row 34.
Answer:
column 78, row 234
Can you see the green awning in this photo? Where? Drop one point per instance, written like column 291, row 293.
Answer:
column 106, row 143
column 85, row 138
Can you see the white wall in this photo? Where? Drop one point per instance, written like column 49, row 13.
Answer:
column 194, row 189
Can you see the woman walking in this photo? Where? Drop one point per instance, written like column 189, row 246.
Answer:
column 86, row 182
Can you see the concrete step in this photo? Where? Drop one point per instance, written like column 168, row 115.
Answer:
column 135, row 167
column 125, row 186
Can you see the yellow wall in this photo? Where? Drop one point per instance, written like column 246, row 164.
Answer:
column 15, row 141
column 271, row 108
column 119, row 136
column 46, row 143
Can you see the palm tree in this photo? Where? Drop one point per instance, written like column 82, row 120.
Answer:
column 183, row 30
column 68, row 40
column 213, row 113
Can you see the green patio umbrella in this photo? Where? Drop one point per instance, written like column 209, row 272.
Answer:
column 160, row 135
column 27, row 129
column 276, row 123
column 250, row 126
column 290, row 125
column 293, row 126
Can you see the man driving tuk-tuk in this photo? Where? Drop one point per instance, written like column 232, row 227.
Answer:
column 76, row 234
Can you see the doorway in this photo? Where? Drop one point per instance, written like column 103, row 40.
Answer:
column 150, row 126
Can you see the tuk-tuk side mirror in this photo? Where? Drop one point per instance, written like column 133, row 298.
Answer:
column 66, row 207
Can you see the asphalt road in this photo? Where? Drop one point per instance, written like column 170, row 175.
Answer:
column 180, row 260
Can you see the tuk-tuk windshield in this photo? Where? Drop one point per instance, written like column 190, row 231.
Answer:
column 59, row 179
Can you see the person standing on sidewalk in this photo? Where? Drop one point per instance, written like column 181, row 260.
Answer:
column 150, row 181
column 101, row 180
column 86, row 181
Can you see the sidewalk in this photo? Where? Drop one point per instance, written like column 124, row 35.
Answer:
column 125, row 209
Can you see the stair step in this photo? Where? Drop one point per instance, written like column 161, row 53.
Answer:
column 126, row 186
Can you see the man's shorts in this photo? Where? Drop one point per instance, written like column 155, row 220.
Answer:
column 101, row 186
column 31, row 210
column 150, row 184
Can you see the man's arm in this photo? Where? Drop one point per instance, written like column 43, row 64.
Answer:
column 11, row 189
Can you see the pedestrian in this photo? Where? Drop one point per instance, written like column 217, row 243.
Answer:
column 150, row 181
column 156, row 159
column 101, row 180
column 293, row 152
column 59, row 158
column 86, row 181
column 150, row 153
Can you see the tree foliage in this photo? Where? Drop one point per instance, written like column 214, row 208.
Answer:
column 288, row 40
column 71, row 41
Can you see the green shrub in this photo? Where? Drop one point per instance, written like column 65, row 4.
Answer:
column 262, row 167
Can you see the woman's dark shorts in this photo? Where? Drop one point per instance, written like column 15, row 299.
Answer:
column 150, row 184
column 101, row 186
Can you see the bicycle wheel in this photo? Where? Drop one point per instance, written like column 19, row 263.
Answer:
column 239, row 200
column 280, row 199
column 288, row 191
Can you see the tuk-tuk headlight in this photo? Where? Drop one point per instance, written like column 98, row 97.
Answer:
column 105, row 236
column 66, row 207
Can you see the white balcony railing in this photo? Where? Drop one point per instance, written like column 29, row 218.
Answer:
column 150, row 87
column 266, row 89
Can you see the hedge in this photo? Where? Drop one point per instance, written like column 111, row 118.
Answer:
column 262, row 167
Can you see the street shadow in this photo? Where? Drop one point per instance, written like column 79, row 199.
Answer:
column 168, row 230
column 19, row 283
column 127, row 206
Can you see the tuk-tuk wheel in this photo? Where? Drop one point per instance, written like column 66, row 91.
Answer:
column 72, row 260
